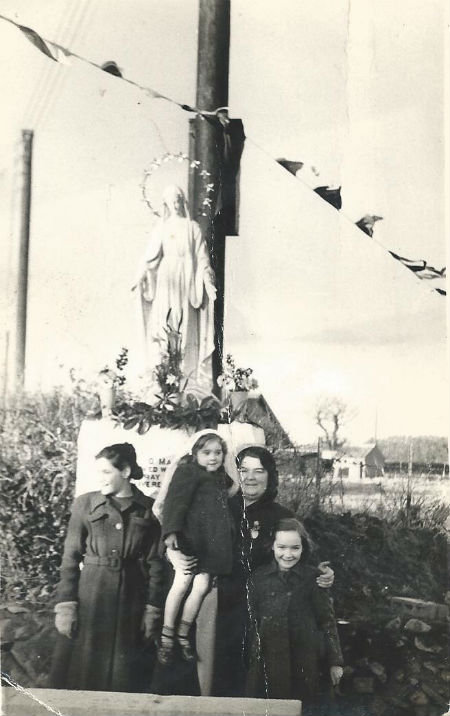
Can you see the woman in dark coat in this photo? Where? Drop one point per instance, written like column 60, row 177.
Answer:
column 293, row 626
column 108, row 611
column 255, row 514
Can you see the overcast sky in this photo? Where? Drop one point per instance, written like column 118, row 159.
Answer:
column 356, row 89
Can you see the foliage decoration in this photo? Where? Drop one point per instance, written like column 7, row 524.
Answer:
column 234, row 379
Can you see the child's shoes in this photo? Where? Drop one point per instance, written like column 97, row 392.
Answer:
column 186, row 649
column 165, row 653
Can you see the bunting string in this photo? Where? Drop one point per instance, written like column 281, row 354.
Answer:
column 330, row 194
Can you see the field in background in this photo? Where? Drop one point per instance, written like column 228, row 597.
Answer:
column 385, row 497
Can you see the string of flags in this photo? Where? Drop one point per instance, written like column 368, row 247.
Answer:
column 332, row 195
column 61, row 54
column 309, row 174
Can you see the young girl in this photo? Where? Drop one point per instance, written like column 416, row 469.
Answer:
column 107, row 611
column 196, row 521
column 293, row 624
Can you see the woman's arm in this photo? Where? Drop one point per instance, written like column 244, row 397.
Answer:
column 74, row 549
column 324, row 612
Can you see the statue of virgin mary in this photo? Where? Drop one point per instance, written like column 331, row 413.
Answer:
column 177, row 289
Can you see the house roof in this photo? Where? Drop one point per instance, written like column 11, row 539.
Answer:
column 358, row 452
column 258, row 411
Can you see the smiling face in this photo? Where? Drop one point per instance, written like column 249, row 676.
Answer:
column 112, row 480
column 254, row 478
column 210, row 456
column 287, row 549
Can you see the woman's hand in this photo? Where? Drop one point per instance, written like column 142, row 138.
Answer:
column 66, row 619
column 181, row 562
column 326, row 578
column 151, row 621
column 171, row 541
column 336, row 673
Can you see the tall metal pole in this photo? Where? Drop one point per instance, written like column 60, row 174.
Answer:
column 22, row 275
column 212, row 93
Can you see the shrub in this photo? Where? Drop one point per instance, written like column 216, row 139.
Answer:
column 38, row 446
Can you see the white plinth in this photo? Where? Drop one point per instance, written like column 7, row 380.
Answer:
column 157, row 450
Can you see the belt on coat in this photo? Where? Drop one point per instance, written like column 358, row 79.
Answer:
column 114, row 562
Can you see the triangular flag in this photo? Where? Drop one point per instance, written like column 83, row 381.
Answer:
column 112, row 68
column 36, row 40
column 292, row 167
column 367, row 223
column 330, row 194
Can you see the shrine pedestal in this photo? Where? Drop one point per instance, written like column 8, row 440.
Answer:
column 157, row 450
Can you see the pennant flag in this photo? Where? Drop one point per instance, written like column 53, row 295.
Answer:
column 422, row 270
column 292, row 167
column 36, row 40
column 330, row 194
column 367, row 223
column 112, row 68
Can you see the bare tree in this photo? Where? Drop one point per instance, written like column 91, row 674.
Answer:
column 331, row 415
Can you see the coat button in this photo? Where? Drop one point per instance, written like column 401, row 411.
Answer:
column 118, row 525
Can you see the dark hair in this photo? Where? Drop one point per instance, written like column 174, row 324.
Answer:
column 291, row 524
column 203, row 439
column 122, row 455
column 267, row 460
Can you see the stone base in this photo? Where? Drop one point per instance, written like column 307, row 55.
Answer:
column 42, row 702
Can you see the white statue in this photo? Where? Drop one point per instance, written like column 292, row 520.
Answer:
column 177, row 277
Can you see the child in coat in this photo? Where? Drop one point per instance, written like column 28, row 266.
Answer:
column 195, row 520
column 108, row 612
column 293, row 624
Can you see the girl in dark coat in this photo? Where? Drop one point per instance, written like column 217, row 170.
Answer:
column 108, row 610
column 195, row 520
column 293, row 624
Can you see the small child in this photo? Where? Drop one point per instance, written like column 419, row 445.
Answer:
column 293, row 622
column 195, row 520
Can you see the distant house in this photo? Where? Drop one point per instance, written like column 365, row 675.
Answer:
column 357, row 462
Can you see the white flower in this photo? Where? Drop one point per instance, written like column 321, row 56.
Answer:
column 171, row 379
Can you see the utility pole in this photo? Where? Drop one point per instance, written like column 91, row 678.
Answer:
column 22, row 274
column 206, row 140
column 318, row 473
column 409, row 483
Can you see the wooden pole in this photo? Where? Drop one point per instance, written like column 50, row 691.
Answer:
column 318, row 473
column 22, row 277
column 212, row 93
column 409, row 483
column 5, row 370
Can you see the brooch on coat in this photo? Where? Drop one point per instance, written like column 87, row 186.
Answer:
column 254, row 532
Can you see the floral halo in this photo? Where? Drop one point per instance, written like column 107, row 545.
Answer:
column 180, row 157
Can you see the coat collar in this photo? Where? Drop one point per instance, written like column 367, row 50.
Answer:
column 298, row 569
column 138, row 497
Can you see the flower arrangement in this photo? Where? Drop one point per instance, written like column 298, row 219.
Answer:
column 174, row 407
column 168, row 372
column 235, row 379
column 115, row 376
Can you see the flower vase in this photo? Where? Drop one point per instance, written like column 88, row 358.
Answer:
column 237, row 398
column 106, row 393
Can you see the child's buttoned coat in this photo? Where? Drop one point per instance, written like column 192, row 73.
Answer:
column 295, row 622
